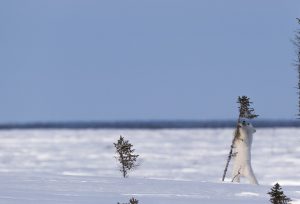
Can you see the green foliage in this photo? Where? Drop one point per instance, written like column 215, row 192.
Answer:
column 277, row 195
column 125, row 155
column 133, row 201
column 245, row 110
column 296, row 42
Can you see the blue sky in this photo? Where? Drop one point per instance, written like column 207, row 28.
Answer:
column 71, row 60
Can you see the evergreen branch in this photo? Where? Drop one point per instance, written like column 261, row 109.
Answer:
column 239, row 173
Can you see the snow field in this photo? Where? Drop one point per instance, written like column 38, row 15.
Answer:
column 176, row 166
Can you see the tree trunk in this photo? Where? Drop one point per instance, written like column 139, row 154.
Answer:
column 231, row 149
column 123, row 165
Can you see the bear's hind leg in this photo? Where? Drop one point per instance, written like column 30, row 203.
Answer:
column 250, row 175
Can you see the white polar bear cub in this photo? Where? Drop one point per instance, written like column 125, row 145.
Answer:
column 242, row 154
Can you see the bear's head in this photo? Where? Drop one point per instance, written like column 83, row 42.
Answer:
column 247, row 127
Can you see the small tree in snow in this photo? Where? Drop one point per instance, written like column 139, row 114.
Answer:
column 277, row 195
column 245, row 111
column 133, row 201
column 125, row 155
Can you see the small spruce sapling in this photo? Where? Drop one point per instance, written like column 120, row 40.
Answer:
column 245, row 111
column 131, row 201
column 277, row 196
column 125, row 155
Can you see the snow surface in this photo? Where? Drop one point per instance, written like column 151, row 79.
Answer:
column 176, row 166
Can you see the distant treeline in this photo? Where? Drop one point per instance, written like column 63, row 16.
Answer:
column 148, row 124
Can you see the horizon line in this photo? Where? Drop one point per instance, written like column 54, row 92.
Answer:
column 147, row 124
